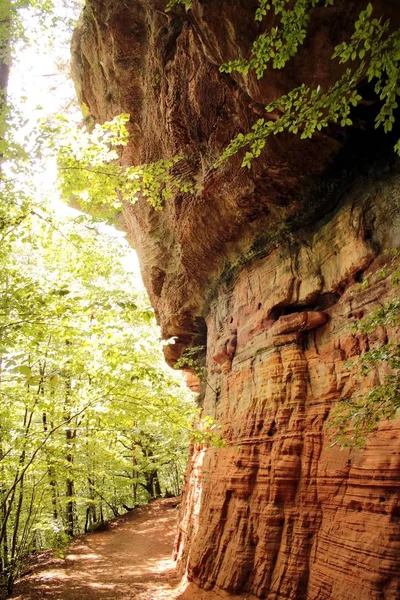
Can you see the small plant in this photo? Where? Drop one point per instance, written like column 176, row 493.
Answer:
column 208, row 432
column 186, row 3
column 193, row 359
column 60, row 543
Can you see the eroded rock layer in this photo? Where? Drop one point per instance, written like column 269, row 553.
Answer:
column 267, row 268
column 278, row 512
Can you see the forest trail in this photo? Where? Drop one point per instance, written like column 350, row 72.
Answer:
column 131, row 560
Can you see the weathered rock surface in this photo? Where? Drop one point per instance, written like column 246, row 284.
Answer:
column 279, row 513
column 267, row 268
column 163, row 70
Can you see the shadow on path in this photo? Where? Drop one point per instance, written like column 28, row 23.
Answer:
column 131, row 560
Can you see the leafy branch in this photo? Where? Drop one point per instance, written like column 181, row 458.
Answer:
column 91, row 175
column 304, row 110
column 280, row 43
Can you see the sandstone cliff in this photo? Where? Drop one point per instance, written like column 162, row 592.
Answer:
column 266, row 269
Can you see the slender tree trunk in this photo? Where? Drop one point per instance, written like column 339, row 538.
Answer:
column 91, row 513
column 134, row 477
column 69, row 485
column 5, row 564
column 51, row 474
column 31, row 517
column 14, row 540
column 4, row 554
column 134, row 470
column 5, row 19
column 176, row 480
column 69, row 490
column 69, row 457
column 152, row 482
column 3, row 550
column 156, row 486
column 19, row 492
column 9, row 496
column 91, row 510
column 17, row 540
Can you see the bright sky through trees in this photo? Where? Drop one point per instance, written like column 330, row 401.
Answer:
column 92, row 421
column 40, row 85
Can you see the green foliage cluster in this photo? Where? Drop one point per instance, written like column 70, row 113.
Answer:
column 89, row 172
column 355, row 417
column 304, row 112
column 193, row 359
column 373, row 50
column 376, row 56
column 280, row 43
column 208, row 431
column 92, row 420
column 88, row 160
column 186, row 3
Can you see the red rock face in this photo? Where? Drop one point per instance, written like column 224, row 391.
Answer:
column 163, row 69
column 279, row 513
column 274, row 260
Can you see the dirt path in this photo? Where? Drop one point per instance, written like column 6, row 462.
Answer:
column 129, row 561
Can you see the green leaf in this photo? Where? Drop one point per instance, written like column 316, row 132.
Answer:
column 25, row 370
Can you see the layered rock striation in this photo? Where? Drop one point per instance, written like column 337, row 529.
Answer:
column 279, row 512
column 266, row 269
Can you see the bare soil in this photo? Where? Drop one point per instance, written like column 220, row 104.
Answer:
column 131, row 560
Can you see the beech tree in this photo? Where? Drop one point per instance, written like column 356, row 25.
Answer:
column 92, row 420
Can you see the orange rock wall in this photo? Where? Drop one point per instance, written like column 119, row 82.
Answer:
column 279, row 513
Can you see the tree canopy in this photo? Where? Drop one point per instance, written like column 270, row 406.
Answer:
column 92, row 421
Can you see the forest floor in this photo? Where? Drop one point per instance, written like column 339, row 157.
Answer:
column 130, row 560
